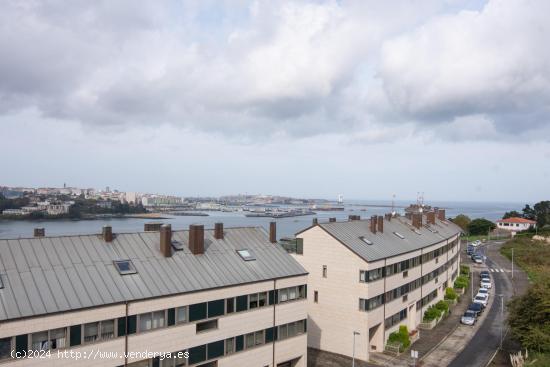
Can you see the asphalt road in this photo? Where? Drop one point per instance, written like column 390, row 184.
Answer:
column 487, row 339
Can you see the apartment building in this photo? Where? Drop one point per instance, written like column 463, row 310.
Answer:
column 368, row 277
column 221, row 297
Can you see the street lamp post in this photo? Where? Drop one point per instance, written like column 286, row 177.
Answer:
column 501, row 319
column 512, row 263
column 353, row 355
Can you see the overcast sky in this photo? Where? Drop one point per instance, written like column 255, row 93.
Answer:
column 310, row 99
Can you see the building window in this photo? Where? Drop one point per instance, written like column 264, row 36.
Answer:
column 197, row 311
column 229, row 346
column 91, row 331
column 262, row 299
column 215, row 349
column 283, row 295
column 230, row 305
column 58, row 338
column 76, row 334
column 292, row 293
column 159, row 318
column 259, row 337
column 302, row 290
column 5, row 348
column 107, row 329
column 216, row 308
column 283, row 332
column 249, row 340
column 324, row 271
column 253, row 301
column 405, row 274
column 181, row 315
column 207, row 325
column 405, row 298
column 242, row 303
column 316, row 297
column 39, row 341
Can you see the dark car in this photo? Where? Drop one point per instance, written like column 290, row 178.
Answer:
column 484, row 274
column 476, row 307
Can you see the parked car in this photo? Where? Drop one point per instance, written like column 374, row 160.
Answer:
column 475, row 307
column 484, row 291
column 484, row 276
column 481, row 299
column 486, row 283
column 469, row 318
column 484, row 272
column 478, row 259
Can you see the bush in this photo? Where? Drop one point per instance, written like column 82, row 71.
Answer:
column 432, row 313
column 465, row 270
column 461, row 282
column 450, row 294
column 400, row 337
column 442, row 306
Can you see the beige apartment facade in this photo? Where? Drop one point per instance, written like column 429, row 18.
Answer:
column 368, row 277
column 226, row 297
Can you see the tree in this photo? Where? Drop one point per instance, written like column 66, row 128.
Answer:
column 529, row 213
column 480, row 226
column 462, row 221
column 542, row 213
column 512, row 214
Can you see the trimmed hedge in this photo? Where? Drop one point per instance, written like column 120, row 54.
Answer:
column 432, row 313
column 461, row 282
column 465, row 270
column 442, row 306
column 450, row 294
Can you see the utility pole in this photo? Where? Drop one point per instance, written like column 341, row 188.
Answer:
column 472, row 284
column 353, row 355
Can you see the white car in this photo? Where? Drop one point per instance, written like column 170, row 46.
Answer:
column 478, row 260
column 483, row 291
column 485, row 283
column 481, row 299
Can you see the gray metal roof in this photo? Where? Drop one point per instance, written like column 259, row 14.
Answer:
column 55, row 274
column 387, row 244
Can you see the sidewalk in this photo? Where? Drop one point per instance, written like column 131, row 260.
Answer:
column 429, row 339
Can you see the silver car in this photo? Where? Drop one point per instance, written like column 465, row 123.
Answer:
column 469, row 318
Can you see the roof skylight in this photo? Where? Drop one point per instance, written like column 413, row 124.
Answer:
column 399, row 235
column 246, row 255
column 125, row 267
column 367, row 241
column 432, row 230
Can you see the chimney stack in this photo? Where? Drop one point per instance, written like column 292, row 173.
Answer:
column 273, row 232
column 388, row 216
column 315, row 221
column 332, row 220
column 380, row 224
column 373, row 220
column 417, row 220
column 441, row 214
column 430, row 217
column 218, row 231
column 107, row 233
column 152, row 227
column 39, row 232
column 196, row 239
column 166, row 240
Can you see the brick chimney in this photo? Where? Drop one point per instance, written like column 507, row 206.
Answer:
column 441, row 214
column 373, row 220
column 218, row 231
column 332, row 220
column 380, row 223
column 314, row 222
column 430, row 217
column 166, row 240
column 273, row 232
column 107, row 233
column 417, row 220
column 39, row 232
column 196, row 239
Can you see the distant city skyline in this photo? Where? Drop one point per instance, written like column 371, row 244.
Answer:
column 304, row 99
